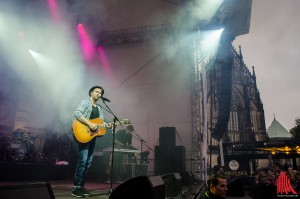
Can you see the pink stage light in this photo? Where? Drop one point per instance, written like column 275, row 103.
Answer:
column 104, row 60
column 54, row 10
column 86, row 44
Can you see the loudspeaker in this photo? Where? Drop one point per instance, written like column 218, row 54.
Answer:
column 34, row 190
column 223, row 88
column 133, row 170
column 144, row 187
column 99, row 166
column 141, row 169
column 187, row 178
column 167, row 136
column 173, row 184
column 235, row 188
column 169, row 160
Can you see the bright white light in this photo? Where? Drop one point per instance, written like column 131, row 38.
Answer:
column 34, row 54
column 42, row 62
column 211, row 39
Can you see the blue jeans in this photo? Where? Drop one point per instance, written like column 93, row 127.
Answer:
column 85, row 157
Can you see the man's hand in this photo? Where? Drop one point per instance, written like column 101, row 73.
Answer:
column 93, row 126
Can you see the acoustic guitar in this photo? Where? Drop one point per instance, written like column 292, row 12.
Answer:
column 84, row 134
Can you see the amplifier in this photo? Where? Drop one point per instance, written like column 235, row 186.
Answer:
column 136, row 170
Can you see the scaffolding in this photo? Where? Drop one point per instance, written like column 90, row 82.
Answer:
column 197, row 133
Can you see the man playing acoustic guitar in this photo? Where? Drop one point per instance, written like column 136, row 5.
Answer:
column 86, row 111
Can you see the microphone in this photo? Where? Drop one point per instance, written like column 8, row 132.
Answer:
column 105, row 99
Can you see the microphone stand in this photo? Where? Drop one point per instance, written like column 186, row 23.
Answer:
column 141, row 140
column 113, row 145
column 112, row 156
column 113, row 148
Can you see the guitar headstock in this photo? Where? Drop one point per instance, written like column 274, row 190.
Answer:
column 111, row 124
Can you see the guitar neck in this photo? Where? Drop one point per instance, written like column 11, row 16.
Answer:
column 108, row 125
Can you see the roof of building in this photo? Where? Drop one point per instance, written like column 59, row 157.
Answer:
column 276, row 130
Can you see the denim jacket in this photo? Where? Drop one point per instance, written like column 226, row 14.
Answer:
column 85, row 109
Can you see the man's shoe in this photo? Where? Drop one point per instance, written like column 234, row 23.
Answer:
column 85, row 192
column 78, row 193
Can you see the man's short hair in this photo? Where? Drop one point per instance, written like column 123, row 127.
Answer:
column 93, row 88
column 213, row 179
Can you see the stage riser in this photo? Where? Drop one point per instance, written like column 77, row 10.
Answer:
column 30, row 172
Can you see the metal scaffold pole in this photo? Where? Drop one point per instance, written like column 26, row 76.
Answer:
column 199, row 112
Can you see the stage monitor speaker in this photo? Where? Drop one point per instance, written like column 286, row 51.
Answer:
column 32, row 190
column 173, row 184
column 151, row 187
column 169, row 160
column 167, row 136
column 235, row 188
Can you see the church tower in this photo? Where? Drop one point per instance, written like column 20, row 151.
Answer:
column 235, row 111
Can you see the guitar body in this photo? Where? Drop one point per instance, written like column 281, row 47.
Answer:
column 84, row 134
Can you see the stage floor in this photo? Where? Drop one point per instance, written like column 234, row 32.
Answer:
column 59, row 177
column 28, row 180
column 62, row 188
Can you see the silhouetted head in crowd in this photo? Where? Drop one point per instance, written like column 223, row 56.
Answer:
column 217, row 185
